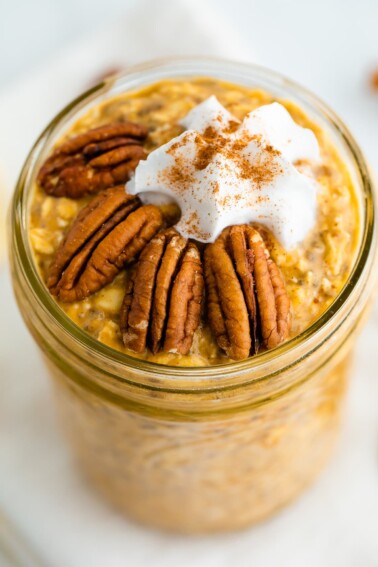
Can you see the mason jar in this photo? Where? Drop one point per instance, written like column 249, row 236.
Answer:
column 210, row 448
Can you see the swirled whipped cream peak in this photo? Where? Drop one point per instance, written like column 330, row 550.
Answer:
column 223, row 172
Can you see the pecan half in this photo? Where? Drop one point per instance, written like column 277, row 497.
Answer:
column 98, row 159
column 163, row 298
column 109, row 232
column 246, row 294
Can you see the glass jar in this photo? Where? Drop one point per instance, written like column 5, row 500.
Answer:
column 199, row 449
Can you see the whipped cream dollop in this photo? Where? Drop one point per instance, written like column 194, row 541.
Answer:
column 223, row 172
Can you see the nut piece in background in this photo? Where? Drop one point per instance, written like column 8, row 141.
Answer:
column 162, row 305
column 374, row 80
column 246, row 295
column 93, row 161
column 109, row 232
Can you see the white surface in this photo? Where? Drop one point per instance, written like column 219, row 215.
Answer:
column 329, row 46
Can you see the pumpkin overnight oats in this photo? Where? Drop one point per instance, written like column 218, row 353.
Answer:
column 199, row 235
column 314, row 272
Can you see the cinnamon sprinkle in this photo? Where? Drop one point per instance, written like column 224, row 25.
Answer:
column 194, row 228
column 213, row 143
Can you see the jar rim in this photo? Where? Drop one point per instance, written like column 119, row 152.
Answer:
column 143, row 75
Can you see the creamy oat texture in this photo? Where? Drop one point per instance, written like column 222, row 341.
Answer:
column 314, row 271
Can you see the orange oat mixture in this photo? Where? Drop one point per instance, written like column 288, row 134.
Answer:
column 313, row 273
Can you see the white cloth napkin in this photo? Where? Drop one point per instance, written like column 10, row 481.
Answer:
column 49, row 505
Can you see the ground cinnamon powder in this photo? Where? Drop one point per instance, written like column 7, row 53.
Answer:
column 258, row 163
